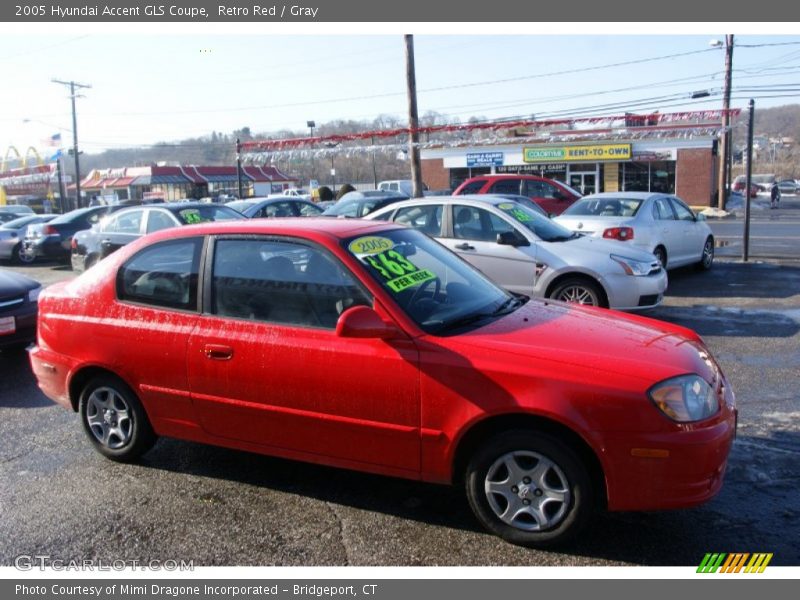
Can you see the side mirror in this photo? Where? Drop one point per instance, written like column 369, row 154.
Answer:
column 364, row 322
column 511, row 238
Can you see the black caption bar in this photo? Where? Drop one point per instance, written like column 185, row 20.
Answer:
column 464, row 11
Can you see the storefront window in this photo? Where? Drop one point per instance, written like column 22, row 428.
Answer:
column 656, row 176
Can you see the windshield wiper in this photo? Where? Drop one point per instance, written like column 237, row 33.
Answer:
column 507, row 307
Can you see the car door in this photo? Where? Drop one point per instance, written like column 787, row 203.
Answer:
column 267, row 367
column 472, row 233
column 667, row 230
column 692, row 233
column 120, row 229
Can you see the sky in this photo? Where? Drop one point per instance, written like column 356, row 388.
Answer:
column 152, row 87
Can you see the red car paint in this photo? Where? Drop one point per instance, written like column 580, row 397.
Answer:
column 551, row 195
column 400, row 406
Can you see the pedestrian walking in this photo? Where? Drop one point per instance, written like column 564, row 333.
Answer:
column 774, row 195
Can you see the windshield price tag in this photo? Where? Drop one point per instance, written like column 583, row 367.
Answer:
column 398, row 272
column 191, row 217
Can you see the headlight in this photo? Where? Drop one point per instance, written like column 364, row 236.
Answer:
column 685, row 399
column 33, row 295
column 632, row 266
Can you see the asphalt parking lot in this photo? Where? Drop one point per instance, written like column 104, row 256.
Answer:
column 222, row 507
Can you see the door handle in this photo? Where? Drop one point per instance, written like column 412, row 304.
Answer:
column 464, row 246
column 218, row 352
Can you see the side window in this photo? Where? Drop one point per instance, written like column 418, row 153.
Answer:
column 473, row 187
column 162, row 275
column 427, row 219
column 394, row 187
column 349, row 210
column 684, row 212
column 279, row 209
column 662, row 211
column 549, row 190
column 387, row 216
column 535, row 189
column 505, row 186
column 125, row 222
column 158, row 220
column 281, row 282
column 308, row 210
column 477, row 224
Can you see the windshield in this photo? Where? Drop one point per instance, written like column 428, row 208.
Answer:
column 544, row 228
column 604, row 207
column 206, row 213
column 241, row 205
column 21, row 222
column 433, row 286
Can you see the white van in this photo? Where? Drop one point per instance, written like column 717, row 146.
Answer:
column 403, row 186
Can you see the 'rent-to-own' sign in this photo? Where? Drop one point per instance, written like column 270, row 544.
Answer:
column 593, row 153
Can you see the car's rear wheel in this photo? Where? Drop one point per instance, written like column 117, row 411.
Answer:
column 114, row 420
column 578, row 291
column 661, row 254
column 707, row 258
column 22, row 256
column 529, row 488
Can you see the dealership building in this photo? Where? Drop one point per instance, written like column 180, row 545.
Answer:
column 675, row 159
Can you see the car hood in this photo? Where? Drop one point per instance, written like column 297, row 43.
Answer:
column 554, row 336
column 14, row 284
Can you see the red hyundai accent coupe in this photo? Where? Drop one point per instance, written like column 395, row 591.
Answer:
column 372, row 347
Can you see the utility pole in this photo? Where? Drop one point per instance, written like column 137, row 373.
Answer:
column 62, row 190
column 72, row 85
column 413, row 118
column 725, row 141
column 239, row 167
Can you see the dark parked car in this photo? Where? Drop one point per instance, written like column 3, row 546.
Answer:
column 359, row 204
column 285, row 206
column 127, row 225
column 19, row 296
column 52, row 240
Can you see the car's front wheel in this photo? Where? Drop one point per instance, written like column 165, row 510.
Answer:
column 114, row 420
column 578, row 290
column 707, row 258
column 529, row 488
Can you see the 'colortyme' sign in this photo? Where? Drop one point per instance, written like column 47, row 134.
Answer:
column 595, row 153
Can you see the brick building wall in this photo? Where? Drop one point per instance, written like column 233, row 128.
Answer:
column 435, row 176
column 695, row 176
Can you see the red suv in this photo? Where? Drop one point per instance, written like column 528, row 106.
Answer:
column 553, row 196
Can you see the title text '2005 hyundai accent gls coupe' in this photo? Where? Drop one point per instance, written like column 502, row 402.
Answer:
column 370, row 346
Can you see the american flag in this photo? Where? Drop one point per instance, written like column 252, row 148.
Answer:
column 53, row 140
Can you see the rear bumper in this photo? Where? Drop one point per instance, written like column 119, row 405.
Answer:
column 53, row 248
column 52, row 374
column 690, row 473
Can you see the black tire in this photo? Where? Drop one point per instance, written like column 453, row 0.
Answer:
column 21, row 257
column 579, row 290
column 707, row 258
column 661, row 254
column 560, row 469
column 114, row 420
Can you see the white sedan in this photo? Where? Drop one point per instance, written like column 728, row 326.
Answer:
column 659, row 223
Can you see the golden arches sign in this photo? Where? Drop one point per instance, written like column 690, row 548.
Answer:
column 22, row 159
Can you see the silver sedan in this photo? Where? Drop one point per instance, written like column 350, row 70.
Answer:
column 528, row 253
column 659, row 223
column 12, row 234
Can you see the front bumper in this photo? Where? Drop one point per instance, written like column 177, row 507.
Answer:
column 687, row 471
column 626, row 292
column 18, row 326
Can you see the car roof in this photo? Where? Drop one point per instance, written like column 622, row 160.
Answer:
column 469, row 199
column 310, row 227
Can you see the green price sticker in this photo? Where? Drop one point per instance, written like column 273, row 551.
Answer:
column 399, row 272
column 191, row 218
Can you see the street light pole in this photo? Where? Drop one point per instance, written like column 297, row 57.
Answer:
column 72, row 85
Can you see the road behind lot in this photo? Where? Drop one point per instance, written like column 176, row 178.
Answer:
column 222, row 507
